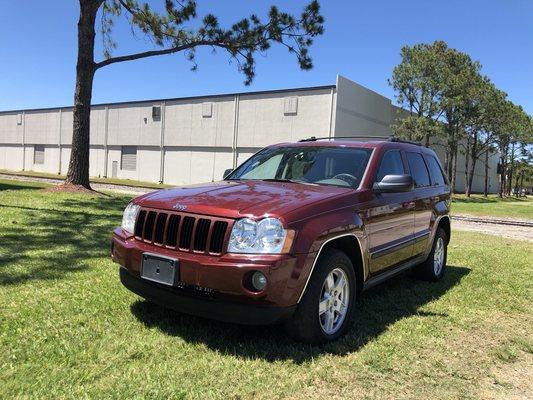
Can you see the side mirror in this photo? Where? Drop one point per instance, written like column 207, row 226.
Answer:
column 227, row 172
column 394, row 184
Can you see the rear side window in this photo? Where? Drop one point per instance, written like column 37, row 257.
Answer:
column 436, row 172
column 391, row 164
column 418, row 169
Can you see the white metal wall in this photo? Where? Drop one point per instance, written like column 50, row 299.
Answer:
column 195, row 140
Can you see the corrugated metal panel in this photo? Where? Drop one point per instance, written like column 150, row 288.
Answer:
column 38, row 154
column 129, row 158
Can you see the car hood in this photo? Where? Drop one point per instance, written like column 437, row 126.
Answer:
column 234, row 199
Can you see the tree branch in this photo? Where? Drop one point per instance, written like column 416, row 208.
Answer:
column 152, row 53
column 137, row 56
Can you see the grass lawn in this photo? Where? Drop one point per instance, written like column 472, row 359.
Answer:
column 69, row 330
column 493, row 206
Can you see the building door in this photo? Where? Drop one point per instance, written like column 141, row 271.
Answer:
column 114, row 169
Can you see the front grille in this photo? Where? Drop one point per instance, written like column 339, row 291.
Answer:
column 185, row 232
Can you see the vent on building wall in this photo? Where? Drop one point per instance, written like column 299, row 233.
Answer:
column 290, row 106
column 38, row 154
column 19, row 119
column 128, row 161
column 207, row 110
column 156, row 113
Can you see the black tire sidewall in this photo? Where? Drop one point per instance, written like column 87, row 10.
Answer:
column 308, row 307
column 428, row 271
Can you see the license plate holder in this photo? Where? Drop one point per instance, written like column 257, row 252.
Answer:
column 160, row 269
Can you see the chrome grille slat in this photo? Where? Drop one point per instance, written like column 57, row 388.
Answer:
column 159, row 229
column 201, row 233
column 187, row 227
column 218, row 234
column 172, row 230
column 148, row 231
column 139, row 224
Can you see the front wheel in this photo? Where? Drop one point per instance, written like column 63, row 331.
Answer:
column 327, row 307
column 433, row 268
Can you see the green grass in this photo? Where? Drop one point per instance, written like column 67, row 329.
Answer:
column 69, row 330
column 113, row 181
column 493, row 206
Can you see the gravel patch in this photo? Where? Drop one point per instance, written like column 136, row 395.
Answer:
column 508, row 231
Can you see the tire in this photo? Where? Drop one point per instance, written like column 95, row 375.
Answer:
column 429, row 270
column 309, row 324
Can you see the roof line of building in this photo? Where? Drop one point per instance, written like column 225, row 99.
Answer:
column 207, row 96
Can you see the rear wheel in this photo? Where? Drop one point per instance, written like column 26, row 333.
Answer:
column 327, row 306
column 433, row 268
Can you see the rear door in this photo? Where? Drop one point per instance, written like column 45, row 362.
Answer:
column 423, row 198
column 391, row 219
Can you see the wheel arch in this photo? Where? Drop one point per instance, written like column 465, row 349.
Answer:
column 350, row 245
column 444, row 223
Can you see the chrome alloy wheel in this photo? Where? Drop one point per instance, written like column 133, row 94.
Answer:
column 438, row 256
column 334, row 298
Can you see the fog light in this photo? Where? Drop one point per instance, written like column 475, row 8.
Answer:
column 259, row 281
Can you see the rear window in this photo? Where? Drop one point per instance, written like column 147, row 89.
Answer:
column 437, row 175
column 418, row 169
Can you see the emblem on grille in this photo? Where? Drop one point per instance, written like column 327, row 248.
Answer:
column 179, row 207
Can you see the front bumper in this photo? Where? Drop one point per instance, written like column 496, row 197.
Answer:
column 221, row 276
column 188, row 303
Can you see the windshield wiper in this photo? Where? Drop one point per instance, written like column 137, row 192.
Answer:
column 286, row 180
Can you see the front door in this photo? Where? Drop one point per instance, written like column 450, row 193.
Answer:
column 390, row 220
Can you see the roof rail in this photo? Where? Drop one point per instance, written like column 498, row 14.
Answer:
column 398, row 140
column 314, row 138
column 384, row 138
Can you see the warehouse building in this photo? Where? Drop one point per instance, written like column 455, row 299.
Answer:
column 194, row 139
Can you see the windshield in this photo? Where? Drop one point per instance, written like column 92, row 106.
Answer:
column 338, row 166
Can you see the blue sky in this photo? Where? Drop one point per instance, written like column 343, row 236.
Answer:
column 362, row 42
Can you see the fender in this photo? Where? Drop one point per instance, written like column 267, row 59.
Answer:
column 320, row 231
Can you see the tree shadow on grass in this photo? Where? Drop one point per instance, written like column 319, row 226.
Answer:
column 377, row 309
column 43, row 243
column 21, row 185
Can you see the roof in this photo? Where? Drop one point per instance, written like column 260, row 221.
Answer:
column 212, row 96
column 379, row 143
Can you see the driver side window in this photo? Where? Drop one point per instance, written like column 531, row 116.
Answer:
column 391, row 164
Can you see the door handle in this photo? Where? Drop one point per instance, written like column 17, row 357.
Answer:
column 408, row 204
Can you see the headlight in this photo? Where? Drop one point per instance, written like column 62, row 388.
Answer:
column 128, row 219
column 265, row 236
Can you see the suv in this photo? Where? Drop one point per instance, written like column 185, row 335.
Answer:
column 292, row 235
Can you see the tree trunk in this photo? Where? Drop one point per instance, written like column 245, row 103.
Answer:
column 509, row 185
column 486, row 187
column 471, row 177
column 467, row 170
column 521, row 183
column 473, row 156
column 502, row 175
column 454, row 170
column 78, row 169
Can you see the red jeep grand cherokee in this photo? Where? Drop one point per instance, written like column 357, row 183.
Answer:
column 294, row 234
